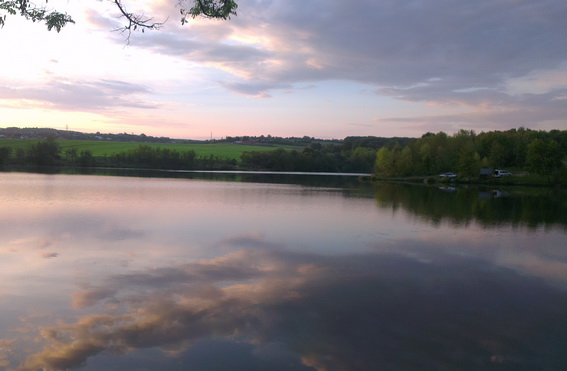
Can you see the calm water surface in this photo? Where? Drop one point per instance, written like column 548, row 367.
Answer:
column 131, row 273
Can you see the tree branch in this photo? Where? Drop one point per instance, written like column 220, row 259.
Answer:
column 52, row 19
column 221, row 9
column 135, row 21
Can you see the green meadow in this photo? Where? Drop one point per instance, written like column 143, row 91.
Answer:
column 108, row 148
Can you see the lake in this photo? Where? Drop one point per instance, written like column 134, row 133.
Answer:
column 274, row 272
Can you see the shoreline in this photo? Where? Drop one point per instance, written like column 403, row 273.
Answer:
column 520, row 181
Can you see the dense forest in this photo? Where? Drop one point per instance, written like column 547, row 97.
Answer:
column 352, row 154
column 465, row 153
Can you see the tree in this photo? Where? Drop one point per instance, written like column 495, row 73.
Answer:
column 45, row 152
column 384, row 164
column 219, row 9
column 5, row 153
column 469, row 164
column 52, row 19
column 362, row 159
column 544, row 157
column 405, row 162
column 86, row 158
column 71, row 155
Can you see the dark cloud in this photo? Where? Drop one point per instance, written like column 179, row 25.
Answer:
column 446, row 53
column 273, row 307
column 204, row 356
column 404, row 43
column 90, row 296
column 500, row 113
column 390, row 43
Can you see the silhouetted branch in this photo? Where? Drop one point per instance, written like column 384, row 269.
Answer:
column 135, row 21
column 221, row 9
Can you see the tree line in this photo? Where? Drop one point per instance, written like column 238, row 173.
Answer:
column 353, row 154
column 465, row 153
column 316, row 157
column 48, row 152
column 538, row 152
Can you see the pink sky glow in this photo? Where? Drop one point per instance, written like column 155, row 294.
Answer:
column 324, row 69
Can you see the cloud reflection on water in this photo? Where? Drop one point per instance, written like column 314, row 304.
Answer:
column 159, row 274
column 360, row 311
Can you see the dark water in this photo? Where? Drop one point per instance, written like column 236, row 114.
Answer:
column 271, row 272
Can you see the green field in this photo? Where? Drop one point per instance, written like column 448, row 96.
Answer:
column 107, row 148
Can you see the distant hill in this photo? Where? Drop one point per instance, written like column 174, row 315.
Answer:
column 44, row 133
column 347, row 143
column 28, row 146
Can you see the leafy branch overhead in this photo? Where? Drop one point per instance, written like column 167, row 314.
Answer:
column 51, row 18
column 219, row 9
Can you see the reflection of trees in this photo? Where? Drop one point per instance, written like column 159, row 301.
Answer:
column 361, row 312
column 309, row 180
column 463, row 206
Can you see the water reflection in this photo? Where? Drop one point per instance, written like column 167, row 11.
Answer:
column 286, row 310
column 344, row 180
column 108, row 273
column 530, row 208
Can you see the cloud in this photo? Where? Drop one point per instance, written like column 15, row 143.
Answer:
column 81, row 225
column 483, row 56
column 260, row 90
column 250, row 241
column 500, row 113
column 327, row 312
column 49, row 255
column 78, row 95
column 89, row 296
column 384, row 42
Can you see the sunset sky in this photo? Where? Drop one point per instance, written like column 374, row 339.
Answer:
column 321, row 68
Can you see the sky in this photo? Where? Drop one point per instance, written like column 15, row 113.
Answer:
column 320, row 68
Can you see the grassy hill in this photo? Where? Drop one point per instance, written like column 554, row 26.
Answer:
column 109, row 148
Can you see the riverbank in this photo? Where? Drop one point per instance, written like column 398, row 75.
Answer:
column 527, row 180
